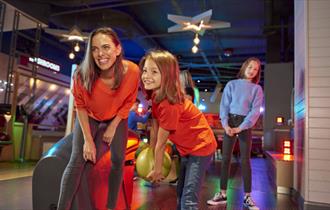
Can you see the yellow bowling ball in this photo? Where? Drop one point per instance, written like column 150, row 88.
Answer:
column 175, row 169
column 142, row 146
column 145, row 163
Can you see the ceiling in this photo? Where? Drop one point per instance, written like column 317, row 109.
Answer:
column 259, row 28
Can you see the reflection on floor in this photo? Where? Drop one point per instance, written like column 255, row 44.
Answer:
column 16, row 193
column 14, row 170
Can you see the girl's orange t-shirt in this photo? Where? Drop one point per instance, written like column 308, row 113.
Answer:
column 189, row 129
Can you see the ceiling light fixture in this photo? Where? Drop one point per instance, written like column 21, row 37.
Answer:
column 74, row 38
column 71, row 55
column 228, row 52
column 76, row 47
column 197, row 24
column 194, row 49
column 196, row 39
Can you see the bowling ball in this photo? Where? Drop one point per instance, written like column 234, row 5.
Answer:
column 142, row 146
column 175, row 170
column 145, row 163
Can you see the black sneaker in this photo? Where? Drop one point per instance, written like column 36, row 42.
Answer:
column 249, row 203
column 217, row 199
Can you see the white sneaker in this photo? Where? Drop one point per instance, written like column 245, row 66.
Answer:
column 249, row 203
column 217, row 199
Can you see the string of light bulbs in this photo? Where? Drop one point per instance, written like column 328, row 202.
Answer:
column 76, row 49
column 196, row 41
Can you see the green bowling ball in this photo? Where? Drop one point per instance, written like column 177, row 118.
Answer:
column 145, row 163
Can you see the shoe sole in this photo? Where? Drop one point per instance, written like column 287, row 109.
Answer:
column 250, row 208
column 213, row 203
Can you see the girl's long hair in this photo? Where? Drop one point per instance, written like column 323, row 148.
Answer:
column 88, row 72
column 241, row 73
column 168, row 66
column 186, row 79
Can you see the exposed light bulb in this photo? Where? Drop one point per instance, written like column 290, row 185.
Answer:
column 72, row 55
column 76, row 47
column 194, row 49
column 196, row 40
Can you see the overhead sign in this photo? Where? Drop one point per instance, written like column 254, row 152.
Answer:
column 46, row 64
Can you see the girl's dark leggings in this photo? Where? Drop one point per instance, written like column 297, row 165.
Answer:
column 72, row 174
column 245, row 142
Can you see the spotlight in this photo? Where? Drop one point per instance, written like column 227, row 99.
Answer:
column 196, row 40
column 72, row 55
column 76, row 47
column 194, row 49
column 228, row 52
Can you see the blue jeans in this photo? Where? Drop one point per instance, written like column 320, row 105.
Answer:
column 71, row 178
column 192, row 172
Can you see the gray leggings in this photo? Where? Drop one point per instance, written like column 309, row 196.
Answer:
column 245, row 141
column 72, row 174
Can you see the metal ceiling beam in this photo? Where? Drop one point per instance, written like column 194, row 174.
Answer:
column 90, row 7
column 205, row 35
column 210, row 67
column 206, row 65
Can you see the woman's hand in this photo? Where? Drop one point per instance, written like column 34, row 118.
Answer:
column 89, row 150
column 155, row 177
column 109, row 134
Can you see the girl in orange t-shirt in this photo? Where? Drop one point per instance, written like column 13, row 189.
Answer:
column 105, row 88
column 179, row 120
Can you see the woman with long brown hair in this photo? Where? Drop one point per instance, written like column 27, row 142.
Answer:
column 105, row 88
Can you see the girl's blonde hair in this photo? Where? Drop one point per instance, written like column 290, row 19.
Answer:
column 168, row 66
column 241, row 73
column 88, row 72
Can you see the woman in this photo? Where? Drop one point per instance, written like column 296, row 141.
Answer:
column 176, row 119
column 239, row 111
column 105, row 88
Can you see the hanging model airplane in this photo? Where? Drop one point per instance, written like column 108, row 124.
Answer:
column 74, row 34
column 197, row 24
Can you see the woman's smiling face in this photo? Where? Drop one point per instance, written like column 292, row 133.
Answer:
column 104, row 51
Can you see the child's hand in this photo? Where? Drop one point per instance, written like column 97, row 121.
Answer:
column 155, row 177
column 229, row 131
column 236, row 130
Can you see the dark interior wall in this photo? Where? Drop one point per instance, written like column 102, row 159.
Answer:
column 278, row 88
